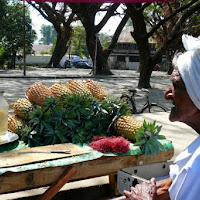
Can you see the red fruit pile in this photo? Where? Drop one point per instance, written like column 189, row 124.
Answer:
column 110, row 144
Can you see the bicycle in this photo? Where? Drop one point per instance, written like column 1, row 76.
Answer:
column 130, row 100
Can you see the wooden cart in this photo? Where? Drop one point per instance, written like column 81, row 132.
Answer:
column 57, row 176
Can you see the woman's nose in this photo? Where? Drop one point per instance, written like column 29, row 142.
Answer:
column 168, row 93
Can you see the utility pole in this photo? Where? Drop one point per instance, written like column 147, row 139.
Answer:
column 24, row 37
column 95, row 55
column 70, row 53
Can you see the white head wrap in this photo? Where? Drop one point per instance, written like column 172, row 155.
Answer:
column 189, row 67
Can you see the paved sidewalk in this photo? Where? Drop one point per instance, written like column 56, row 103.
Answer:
column 15, row 84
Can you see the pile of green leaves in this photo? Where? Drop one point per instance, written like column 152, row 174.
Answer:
column 147, row 138
column 73, row 119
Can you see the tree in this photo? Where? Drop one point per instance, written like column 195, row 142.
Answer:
column 141, row 33
column 86, row 14
column 61, row 18
column 193, row 22
column 78, row 42
column 48, row 34
column 12, row 31
column 105, row 40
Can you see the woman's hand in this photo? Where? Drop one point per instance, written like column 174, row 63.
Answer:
column 143, row 191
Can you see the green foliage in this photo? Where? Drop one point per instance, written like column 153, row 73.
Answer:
column 46, row 125
column 129, row 23
column 48, row 34
column 155, row 12
column 114, row 109
column 105, row 40
column 44, row 52
column 79, row 42
column 3, row 56
column 73, row 119
column 53, row 47
column 12, row 30
column 147, row 137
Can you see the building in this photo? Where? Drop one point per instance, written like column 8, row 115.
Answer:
column 125, row 55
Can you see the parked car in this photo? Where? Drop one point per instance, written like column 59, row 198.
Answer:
column 68, row 64
column 83, row 64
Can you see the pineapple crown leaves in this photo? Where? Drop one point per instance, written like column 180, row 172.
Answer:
column 147, row 137
column 115, row 108
column 47, row 122
column 74, row 118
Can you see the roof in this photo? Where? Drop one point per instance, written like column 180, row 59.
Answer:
column 41, row 48
column 125, row 35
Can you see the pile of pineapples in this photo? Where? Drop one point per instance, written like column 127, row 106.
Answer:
column 37, row 93
column 72, row 112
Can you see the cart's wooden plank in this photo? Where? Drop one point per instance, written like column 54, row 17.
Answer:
column 9, row 159
column 16, row 181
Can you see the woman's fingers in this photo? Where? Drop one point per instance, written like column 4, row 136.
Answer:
column 130, row 195
column 153, row 180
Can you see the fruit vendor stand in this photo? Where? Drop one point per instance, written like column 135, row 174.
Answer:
column 16, row 177
column 71, row 132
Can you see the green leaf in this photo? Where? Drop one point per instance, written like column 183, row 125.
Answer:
column 140, row 143
column 146, row 150
column 160, row 137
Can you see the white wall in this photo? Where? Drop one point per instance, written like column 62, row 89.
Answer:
column 36, row 59
column 133, row 65
column 44, row 60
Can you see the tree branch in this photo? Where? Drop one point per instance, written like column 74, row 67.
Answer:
column 177, row 29
column 169, row 17
column 39, row 10
column 145, row 5
column 109, row 13
column 116, row 34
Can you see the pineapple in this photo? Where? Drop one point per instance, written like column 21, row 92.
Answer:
column 96, row 89
column 147, row 137
column 127, row 126
column 78, row 87
column 59, row 90
column 37, row 93
column 22, row 107
column 14, row 123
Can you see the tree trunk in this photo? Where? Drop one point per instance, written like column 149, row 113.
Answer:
column 99, row 56
column 101, row 59
column 139, row 34
column 59, row 51
column 169, row 62
column 102, row 65
column 61, row 25
column 14, row 59
column 145, row 67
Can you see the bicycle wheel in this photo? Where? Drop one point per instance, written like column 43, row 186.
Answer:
column 153, row 108
column 127, row 100
column 157, row 108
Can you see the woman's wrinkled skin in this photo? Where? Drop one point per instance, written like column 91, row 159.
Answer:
column 143, row 191
column 184, row 109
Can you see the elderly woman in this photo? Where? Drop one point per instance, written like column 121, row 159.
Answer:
column 184, row 180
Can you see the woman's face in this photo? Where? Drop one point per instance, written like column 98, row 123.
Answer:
column 184, row 109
